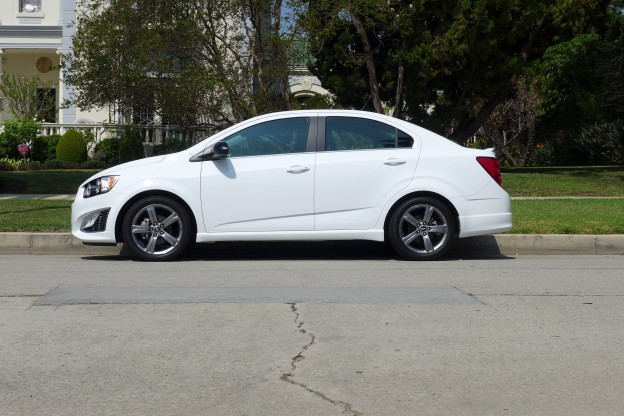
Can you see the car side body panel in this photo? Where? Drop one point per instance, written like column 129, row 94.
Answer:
column 352, row 187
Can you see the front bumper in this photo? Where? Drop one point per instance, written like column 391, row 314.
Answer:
column 93, row 219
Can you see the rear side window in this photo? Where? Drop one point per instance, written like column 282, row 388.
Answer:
column 352, row 133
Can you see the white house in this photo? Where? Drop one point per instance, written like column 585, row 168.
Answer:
column 33, row 36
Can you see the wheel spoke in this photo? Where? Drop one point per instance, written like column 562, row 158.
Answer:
column 410, row 218
column 428, row 214
column 428, row 244
column 170, row 239
column 151, row 246
column 170, row 220
column 151, row 212
column 438, row 229
column 408, row 239
column 140, row 229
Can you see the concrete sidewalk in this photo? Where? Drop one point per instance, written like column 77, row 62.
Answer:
column 38, row 196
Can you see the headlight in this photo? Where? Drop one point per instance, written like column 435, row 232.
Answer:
column 99, row 186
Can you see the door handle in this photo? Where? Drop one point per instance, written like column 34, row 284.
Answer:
column 394, row 162
column 298, row 169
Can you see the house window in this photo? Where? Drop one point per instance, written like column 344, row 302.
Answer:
column 30, row 6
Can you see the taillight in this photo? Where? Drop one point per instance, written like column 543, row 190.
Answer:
column 490, row 164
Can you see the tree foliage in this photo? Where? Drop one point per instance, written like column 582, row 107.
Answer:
column 581, row 85
column 449, row 62
column 190, row 62
column 27, row 98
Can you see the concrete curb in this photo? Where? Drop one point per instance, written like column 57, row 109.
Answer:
column 489, row 245
column 49, row 243
column 546, row 244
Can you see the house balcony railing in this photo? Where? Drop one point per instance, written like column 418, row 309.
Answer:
column 151, row 134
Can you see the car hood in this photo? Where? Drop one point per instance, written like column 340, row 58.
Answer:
column 128, row 165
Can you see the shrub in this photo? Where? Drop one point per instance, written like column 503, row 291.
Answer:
column 169, row 146
column 6, row 165
column 53, row 164
column 72, row 147
column 17, row 132
column 52, row 141
column 93, row 164
column 131, row 146
column 28, row 164
column 543, row 155
column 39, row 150
column 603, row 143
column 107, row 151
column 89, row 137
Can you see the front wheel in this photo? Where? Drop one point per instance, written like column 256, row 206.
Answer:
column 421, row 228
column 157, row 229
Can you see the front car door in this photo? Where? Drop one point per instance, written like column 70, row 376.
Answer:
column 266, row 183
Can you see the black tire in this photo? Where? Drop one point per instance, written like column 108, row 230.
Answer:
column 157, row 229
column 421, row 228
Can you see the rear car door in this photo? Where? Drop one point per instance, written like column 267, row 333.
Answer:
column 362, row 164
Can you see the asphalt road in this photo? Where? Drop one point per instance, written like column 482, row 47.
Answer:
column 243, row 329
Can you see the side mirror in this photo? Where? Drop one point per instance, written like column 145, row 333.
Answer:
column 220, row 150
column 217, row 151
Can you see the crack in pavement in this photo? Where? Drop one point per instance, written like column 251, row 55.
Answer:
column 289, row 376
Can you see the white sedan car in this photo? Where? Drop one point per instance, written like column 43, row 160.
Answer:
column 299, row 175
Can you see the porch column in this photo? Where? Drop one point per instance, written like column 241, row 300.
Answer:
column 68, row 15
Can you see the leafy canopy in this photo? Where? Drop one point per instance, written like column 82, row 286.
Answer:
column 211, row 62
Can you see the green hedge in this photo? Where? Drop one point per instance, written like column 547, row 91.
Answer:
column 72, row 147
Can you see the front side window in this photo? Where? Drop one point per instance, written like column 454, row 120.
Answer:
column 351, row 133
column 30, row 6
column 270, row 138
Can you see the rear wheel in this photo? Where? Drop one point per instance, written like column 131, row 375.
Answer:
column 421, row 228
column 157, row 229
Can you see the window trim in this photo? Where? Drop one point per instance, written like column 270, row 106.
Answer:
column 23, row 13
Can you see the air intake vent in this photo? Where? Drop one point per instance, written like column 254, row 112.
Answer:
column 100, row 223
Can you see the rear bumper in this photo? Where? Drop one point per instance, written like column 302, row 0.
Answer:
column 484, row 224
column 487, row 212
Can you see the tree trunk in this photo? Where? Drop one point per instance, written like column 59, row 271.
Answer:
column 370, row 62
column 398, row 99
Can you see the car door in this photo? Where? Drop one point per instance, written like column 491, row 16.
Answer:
column 363, row 164
column 266, row 183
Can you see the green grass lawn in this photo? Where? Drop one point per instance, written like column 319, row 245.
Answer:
column 564, row 182
column 562, row 216
column 36, row 215
column 568, row 216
